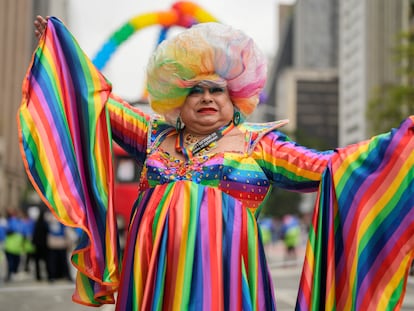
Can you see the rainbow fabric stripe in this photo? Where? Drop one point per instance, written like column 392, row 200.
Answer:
column 361, row 243
column 66, row 149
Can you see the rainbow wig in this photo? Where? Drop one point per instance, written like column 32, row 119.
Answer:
column 211, row 52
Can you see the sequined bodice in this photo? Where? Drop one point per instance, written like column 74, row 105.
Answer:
column 234, row 173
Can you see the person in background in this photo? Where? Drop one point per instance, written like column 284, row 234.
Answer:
column 14, row 242
column 193, row 240
column 3, row 228
column 267, row 230
column 3, row 262
column 291, row 235
column 28, row 223
column 41, row 254
column 58, row 242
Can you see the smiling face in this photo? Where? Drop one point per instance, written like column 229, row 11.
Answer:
column 206, row 109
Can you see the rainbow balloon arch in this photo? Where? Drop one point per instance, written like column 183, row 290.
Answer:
column 181, row 14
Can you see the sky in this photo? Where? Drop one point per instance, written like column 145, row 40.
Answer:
column 93, row 21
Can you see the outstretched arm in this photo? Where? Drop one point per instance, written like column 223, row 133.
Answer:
column 289, row 165
column 128, row 124
column 65, row 144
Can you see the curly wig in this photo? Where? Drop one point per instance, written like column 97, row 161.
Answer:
column 211, row 52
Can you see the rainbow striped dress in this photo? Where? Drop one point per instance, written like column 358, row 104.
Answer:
column 193, row 240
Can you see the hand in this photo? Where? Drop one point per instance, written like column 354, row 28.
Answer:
column 40, row 24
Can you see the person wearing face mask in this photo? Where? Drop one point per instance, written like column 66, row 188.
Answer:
column 193, row 241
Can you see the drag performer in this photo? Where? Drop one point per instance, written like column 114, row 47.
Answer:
column 193, row 240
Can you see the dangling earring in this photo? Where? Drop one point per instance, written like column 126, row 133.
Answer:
column 179, row 125
column 236, row 117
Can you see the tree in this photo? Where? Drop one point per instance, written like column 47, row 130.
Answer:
column 281, row 202
column 392, row 103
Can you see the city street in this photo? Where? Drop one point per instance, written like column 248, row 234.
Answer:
column 286, row 280
column 23, row 294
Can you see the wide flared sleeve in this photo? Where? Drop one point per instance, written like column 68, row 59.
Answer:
column 361, row 242
column 287, row 164
column 65, row 142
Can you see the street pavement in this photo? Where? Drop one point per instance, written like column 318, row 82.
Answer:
column 25, row 294
column 286, row 277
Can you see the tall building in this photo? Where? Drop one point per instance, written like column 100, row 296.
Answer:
column 16, row 20
column 17, row 45
column 316, row 34
column 303, row 83
column 368, row 37
column 282, row 60
column 310, row 102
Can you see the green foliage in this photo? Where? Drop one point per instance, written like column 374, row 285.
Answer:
column 281, row 202
column 311, row 141
column 392, row 103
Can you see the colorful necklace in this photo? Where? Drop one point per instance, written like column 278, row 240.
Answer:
column 203, row 143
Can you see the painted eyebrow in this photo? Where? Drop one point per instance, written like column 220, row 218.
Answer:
column 196, row 89
column 212, row 89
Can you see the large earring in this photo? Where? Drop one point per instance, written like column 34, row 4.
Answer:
column 179, row 125
column 236, row 117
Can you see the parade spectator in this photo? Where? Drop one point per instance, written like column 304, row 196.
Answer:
column 13, row 245
column 57, row 245
column 3, row 229
column 28, row 223
column 291, row 235
column 3, row 263
column 41, row 253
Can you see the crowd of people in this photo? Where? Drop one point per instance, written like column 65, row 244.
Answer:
column 35, row 245
column 289, row 230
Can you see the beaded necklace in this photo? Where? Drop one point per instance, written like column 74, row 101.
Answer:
column 202, row 144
